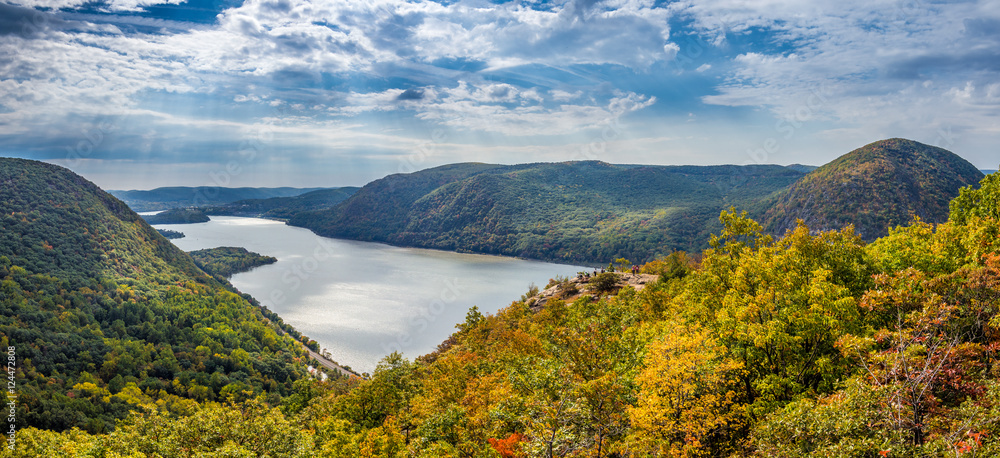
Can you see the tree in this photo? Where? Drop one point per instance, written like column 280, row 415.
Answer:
column 247, row 429
column 983, row 202
column 845, row 423
column 604, row 283
column 779, row 307
column 687, row 398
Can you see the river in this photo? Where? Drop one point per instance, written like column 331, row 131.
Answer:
column 362, row 300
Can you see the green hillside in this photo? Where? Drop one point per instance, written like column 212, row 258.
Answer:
column 107, row 317
column 802, row 168
column 875, row 187
column 169, row 234
column 198, row 196
column 177, row 216
column 284, row 207
column 809, row 345
column 593, row 212
column 227, row 261
column 379, row 208
column 58, row 223
column 583, row 212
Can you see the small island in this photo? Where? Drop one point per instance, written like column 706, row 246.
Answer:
column 170, row 234
column 228, row 261
column 177, row 216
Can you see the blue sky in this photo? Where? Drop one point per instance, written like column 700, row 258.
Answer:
column 135, row 94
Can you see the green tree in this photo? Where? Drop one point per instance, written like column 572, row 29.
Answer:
column 983, row 202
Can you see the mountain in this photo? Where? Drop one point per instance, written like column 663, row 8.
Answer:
column 877, row 186
column 593, row 212
column 802, row 168
column 808, row 345
column 58, row 223
column 285, row 207
column 178, row 216
column 105, row 316
column 577, row 212
column 184, row 196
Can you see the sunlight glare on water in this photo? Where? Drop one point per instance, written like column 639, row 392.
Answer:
column 363, row 300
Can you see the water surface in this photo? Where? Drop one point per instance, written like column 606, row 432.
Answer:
column 363, row 300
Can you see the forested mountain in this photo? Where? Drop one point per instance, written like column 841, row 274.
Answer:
column 592, row 212
column 875, row 187
column 104, row 316
column 284, row 207
column 568, row 212
column 178, row 216
column 199, row 196
column 802, row 168
column 815, row 344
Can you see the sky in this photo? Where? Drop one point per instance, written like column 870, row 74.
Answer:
column 136, row 94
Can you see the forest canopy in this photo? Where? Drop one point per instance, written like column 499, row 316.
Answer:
column 227, row 261
column 109, row 318
column 809, row 344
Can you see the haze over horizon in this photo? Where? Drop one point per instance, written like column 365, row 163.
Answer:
column 137, row 94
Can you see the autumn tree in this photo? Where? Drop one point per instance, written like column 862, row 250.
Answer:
column 779, row 307
column 687, row 399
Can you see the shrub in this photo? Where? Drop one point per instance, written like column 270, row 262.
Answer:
column 604, row 283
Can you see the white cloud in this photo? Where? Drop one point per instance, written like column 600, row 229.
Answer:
column 498, row 108
column 895, row 68
column 867, row 68
column 458, row 111
column 563, row 96
column 111, row 5
column 356, row 34
column 75, row 71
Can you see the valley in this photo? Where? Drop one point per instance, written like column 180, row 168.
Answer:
column 362, row 300
column 591, row 212
column 500, row 229
column 801, row 340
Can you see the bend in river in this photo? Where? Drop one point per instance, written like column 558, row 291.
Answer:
column 362, row 300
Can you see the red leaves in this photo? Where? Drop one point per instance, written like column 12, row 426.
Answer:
column 507, row 448
column 975, row 441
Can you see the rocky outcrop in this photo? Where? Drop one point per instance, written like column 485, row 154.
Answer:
column 579, row 286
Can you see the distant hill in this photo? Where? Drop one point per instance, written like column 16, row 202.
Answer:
column 285, row 207
column 593, row 212
column 874, row 187
column 108, row 317
column 582, row 212
column 183, row 196
column 178, row 216
column 802, row 168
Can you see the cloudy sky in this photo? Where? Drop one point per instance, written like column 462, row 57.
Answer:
column 135, row 94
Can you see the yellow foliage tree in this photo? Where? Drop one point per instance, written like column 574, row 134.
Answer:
column 686, row 397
